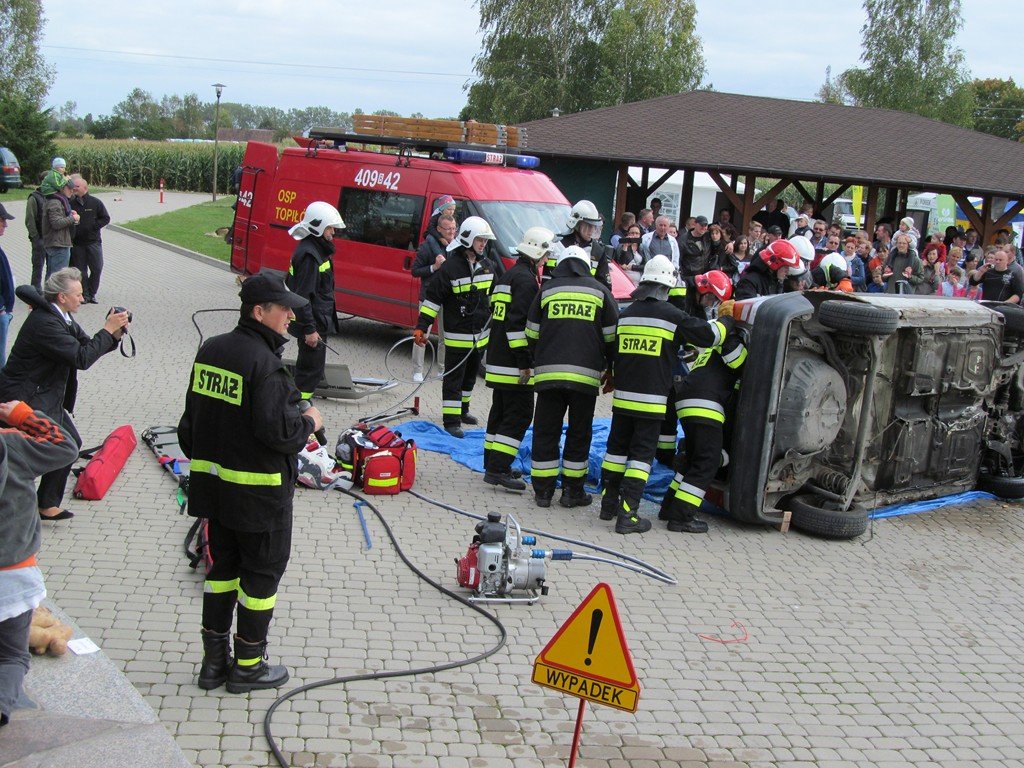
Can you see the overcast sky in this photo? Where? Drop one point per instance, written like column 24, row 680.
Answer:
column 416, row 56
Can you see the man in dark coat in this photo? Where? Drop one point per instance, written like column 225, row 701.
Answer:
column 86, row 243
column 42, row 369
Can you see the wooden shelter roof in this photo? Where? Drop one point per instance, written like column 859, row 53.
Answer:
column 733, row 133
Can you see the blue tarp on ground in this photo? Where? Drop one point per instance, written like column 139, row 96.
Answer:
column 469, row 451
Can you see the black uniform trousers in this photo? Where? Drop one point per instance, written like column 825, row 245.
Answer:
column 626, row 467
column 38, row 263
column 87, row 258
column 247, row 567
column 52, row 484
column 668, row 441
column 457, row 386
column 696, row 466
column 309, row 365
column 510, row 417
column 552, row 405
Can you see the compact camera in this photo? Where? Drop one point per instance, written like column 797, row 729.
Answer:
column 116, row 310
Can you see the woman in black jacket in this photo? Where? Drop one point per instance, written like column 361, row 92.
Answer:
column 42, row 368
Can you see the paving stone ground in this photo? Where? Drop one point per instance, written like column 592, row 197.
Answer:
column 901, row 648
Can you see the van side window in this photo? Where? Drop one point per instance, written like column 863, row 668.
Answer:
column 381, row 218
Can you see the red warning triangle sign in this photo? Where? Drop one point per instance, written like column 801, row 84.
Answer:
column 591, row 643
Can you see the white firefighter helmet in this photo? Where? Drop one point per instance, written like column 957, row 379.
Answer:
column 318, row 217
column 583, row 211
column 574, row 252
column 660, row 270
column 834, row 268
column 536, row 243
column 469, row 230
column 803, row 247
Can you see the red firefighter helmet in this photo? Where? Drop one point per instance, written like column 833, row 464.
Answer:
column 779, row 254
column 716, row 283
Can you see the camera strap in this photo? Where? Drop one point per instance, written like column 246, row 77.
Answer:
column 121, row 345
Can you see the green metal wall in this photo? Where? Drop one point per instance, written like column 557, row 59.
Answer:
column 592, row 180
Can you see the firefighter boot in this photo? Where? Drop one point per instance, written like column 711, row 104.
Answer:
column 505, row 480
column 610, row 501
column 216, row 659
column 573, row 494
column 665, row 512
column 629, row 521
column 250, row 671
column 683, row 518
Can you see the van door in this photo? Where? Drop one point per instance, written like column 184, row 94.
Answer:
column 382, row 207
column 249, row 229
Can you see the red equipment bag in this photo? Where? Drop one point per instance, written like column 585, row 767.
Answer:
column 105, row 463
column 380, row 460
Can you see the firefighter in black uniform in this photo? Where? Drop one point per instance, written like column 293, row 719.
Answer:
column 311, row 276
column 704, row 402
column 509, row 365
column 768, row 269
column 243, row 428
column 460, row 290
column 571, row 330
column 584, row 223
column 648, row 337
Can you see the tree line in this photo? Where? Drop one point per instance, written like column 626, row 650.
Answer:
column 140, row 115
column 536, row 57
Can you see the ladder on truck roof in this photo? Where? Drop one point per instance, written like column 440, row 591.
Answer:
column 423, row 133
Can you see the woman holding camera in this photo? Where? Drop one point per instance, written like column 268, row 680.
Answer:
column 628, row 254
column 43, row 365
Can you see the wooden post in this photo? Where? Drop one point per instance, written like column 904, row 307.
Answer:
column 819, row 193
column 685, row 198
column 620, row 194
column 986, row 234
column 747, row 214
column 869, row 217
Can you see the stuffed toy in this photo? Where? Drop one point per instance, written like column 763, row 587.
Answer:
column 46, row 634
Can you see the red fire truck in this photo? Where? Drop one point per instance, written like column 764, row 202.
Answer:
column 386, row 190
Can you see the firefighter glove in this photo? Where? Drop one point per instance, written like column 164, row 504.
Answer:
column 607, row 382
column 419, row 337
column 725, row 308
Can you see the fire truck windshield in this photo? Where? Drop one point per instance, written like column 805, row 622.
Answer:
column 510, row 219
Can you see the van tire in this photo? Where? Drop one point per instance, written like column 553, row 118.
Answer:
column 810, row 518
column 1000, row 486
column 861, row 319
column 1013, row 316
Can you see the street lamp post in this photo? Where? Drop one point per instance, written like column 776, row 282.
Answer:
column 219, row 88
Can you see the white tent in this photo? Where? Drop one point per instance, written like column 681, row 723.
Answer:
column 705, row 192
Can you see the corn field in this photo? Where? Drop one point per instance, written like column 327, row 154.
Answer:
column 183, row 166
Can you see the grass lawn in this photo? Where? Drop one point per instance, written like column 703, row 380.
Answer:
column 22, row 193
column 191, row 227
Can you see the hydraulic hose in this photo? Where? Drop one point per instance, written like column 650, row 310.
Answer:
column 412, row 672
column 635, row 569
column 651, row 570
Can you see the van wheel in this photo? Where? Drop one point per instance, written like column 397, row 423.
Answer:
column 1013, row 315
column 860, row 319
column 1001, row 486
column 810, row 517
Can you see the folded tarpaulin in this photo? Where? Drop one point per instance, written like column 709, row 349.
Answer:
column 469, row 451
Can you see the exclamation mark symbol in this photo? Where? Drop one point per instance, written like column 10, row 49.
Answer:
column 595, row 624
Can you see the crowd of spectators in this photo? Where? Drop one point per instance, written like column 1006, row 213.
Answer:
column 894, row 258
